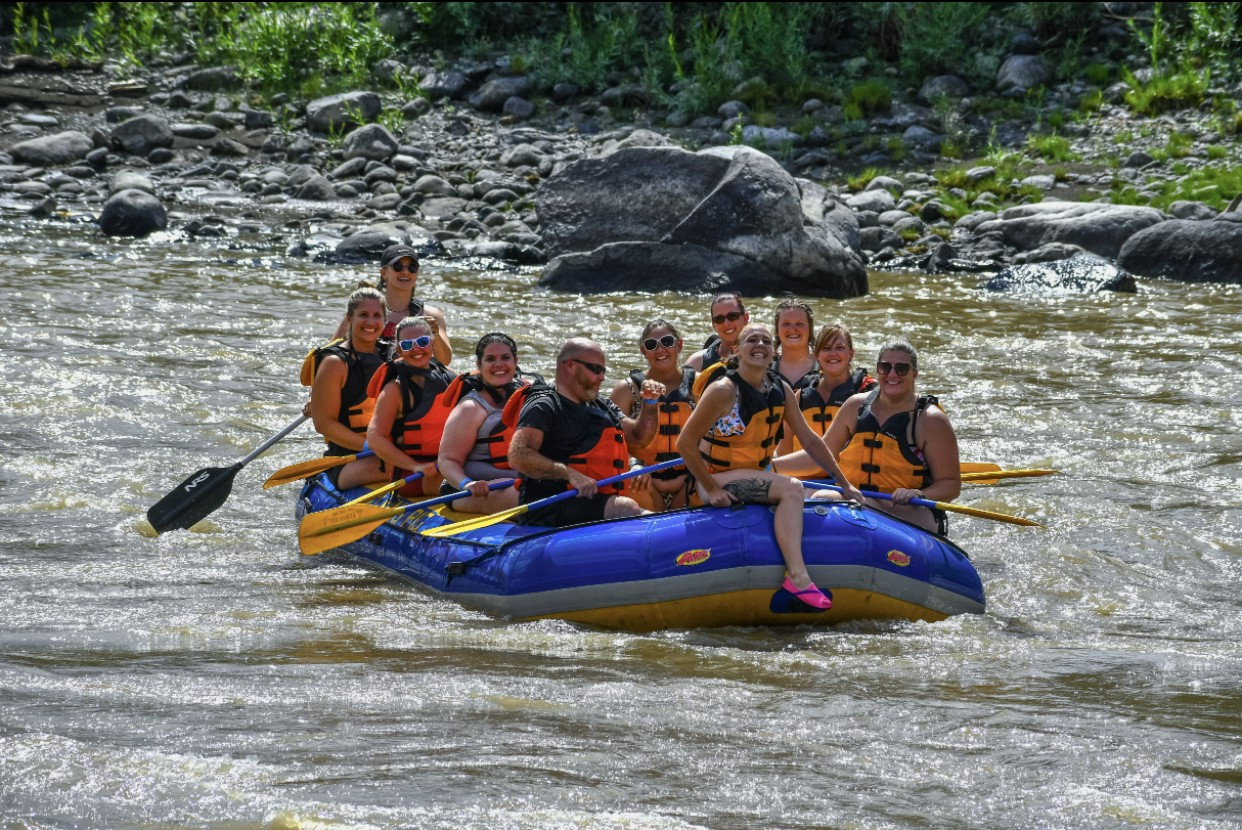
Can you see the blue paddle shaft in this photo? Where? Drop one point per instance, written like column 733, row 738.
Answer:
column 491, row 485
column 815, row 485
column 569, row 494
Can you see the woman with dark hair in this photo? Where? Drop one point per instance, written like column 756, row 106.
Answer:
column 660, row 344
column 474, row 448
column 338, row 375
column 410, row 411
column 727, row 445
column 728, row 316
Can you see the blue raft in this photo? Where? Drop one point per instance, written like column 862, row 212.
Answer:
column 692, row 568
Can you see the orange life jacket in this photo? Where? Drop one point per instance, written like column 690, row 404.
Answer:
column 601, row 456
column 672, row 412
column 884, row 457
column 762, row 414
column 424, row 408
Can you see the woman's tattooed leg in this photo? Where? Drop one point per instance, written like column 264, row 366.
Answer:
column 751, row 490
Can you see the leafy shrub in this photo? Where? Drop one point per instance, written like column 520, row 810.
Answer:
column 1052, row 148
column 935, row 36
column 1183, row 89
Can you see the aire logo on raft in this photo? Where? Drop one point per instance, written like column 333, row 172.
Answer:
column 898, row 558
column 694, row 557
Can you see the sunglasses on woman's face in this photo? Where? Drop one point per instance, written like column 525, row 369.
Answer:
column 422, row 342
column 732, row 316
column 884, row 367
column 401, row 266
column 668, row 341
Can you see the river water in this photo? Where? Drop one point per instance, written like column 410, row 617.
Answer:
column 215, row 679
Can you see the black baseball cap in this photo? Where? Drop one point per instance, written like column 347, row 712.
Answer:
column 395, row 252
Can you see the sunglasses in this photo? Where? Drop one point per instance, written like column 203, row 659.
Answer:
column 719, row 319
column 423, row 342
column 884, row 367
column 668, row 341
column 401, row 266
column 597, row 368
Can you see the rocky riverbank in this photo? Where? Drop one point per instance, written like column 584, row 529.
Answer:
column 459, row 171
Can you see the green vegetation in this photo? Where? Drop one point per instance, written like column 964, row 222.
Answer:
column 1051, row 148
column 1189, row 45
column 1213, row 186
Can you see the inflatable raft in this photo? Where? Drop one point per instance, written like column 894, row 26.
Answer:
column 692, row 568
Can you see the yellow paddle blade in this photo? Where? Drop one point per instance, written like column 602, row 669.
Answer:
column 978, row 467
column 475, row 524
column 339, row 526
column 993, row 477
column 377, row 492
column 987, row 514
column 306, row 469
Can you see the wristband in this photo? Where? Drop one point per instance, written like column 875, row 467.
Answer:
column 464, row 483
column 650, row 401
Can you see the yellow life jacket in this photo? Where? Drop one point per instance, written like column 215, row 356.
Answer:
column 884, row 457
column 672, row 412
column 819, row 412
column 762, row 414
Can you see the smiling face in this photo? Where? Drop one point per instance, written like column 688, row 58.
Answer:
column 728, row 319
column 755, row 346
column 834, row 355
column 419, row 354
column 793, row 327
column 664, row 357
column 401, row 275
column 366, row 323
column 498, row 364
column 893, row 384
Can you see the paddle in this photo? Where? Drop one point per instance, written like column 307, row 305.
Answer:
column 339, row 526
column 505, row 515
column 942, row 505
column 992, row 478
column 306, row 469
column 387, row 488
column 205, row 490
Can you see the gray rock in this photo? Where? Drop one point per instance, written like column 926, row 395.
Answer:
column 385, row 201
column 1051, row 252
column 492, row 95
column 132, row 213
column 339, row 112
column 978, row 174
column 434, row 185
column 258, row 120
column 878, row 238
column 49, row 150
column 195, row 132
column 372, row 141
column 229, row 147
column 115, row 115
column 142, row 134
column 316, row 188
column 942, row 87
column 1137, row 159
column 438, row 207
column 130, row 180
column 637, row 138
column 891, row 217
column 1099, row 228
column 639, row 217
column 888, row 183
column 732, row 109
column 519, row 108
column 212, row 79
column 32, row 188
column 1188, row 250
column 1022, row 72
column 1192, row 210
column 415, row 108
column 876, row 201
column 1040, row 181
column 1080, row 274
column 444, row 84
column 349, row 169
column 921, row 138
column 522, row 155
column 365, row 246
column 770, row 136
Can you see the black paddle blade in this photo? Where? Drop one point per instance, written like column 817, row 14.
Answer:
column 193, row 500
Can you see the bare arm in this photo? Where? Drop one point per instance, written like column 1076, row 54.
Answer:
column 640, row 431
column 443, row 350
column 716, row 401
column 524, row 456
column 696, row 360
column 325, row 403
column 938, row 442
column 461, row 430
column 388, row 409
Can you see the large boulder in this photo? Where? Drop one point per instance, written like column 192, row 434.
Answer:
column 492, row 96
column 1078, row 275
column 1098, row 228
column 48, row 150
column 338, row 112
column 132, row 213
column 1188, row 250
column 142, row 134
column 660, row 218
column 1022, row 72
column 365, row 245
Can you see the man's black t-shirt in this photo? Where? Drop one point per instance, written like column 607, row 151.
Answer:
column 569, row 430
